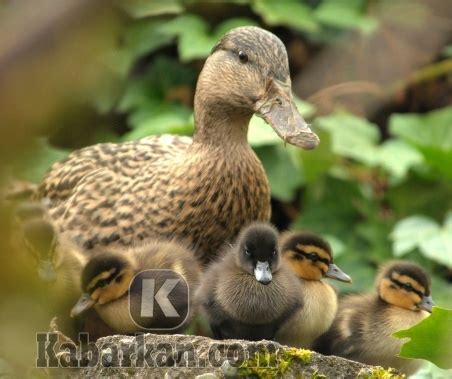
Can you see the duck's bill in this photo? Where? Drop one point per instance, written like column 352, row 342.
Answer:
column 279, row 110
column 336, row 273
column 426, row 304
column 263, row 273
column 83, row 304
column 46, row 271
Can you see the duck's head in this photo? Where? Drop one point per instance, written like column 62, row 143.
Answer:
column 310, row 256
column 40, row 240
column 105, row 278
column 257, row 251
column 248, row 72
column 405, row 285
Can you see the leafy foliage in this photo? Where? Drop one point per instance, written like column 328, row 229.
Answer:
column 430, row 339
column 374, row 195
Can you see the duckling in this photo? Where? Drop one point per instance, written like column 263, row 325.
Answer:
column 364, row 324
column 250, row 291
column 109, row 287
column 203, row 189
column 311, row 259
column 58, row 261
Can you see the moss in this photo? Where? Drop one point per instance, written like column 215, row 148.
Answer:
column 379, row 373
column 269, row 365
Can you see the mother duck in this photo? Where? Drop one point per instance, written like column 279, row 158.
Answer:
column 200, row 190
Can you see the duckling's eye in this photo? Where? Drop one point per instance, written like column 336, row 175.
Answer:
column 313, row 257
column 407, row 286
column 243, row 57
column 274, row 253
column 247, row 253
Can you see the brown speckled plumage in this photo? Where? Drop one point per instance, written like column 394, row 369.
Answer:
column 363, row 328
column 200, row 190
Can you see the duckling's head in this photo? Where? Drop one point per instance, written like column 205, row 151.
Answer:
column 248, row 72
column 106, row 277
column 311, row 258
column 406, row 285
column 257, row 251
column 40, row 241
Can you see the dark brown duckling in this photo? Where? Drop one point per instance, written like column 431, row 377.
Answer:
column 204, row 189
column 311, row 259
column 250, row 292
column 362, row 330
column 109, row 287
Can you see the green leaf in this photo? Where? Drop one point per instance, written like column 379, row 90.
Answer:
column 352, row 136
column 434, row 242
column 290, row 13
column 397, row 157
column 36, row 160
column 167, row 118
column 409, row 232
column 282, row 171
column 345, row 15
column 146, row 8
column 430, row 339
column 194, row 41
column 431, row 133
column 318, row 162
column 356, row 138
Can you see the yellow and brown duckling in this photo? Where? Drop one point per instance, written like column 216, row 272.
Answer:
column 311, row 259
column 249, row 292
column 203, row 190
column 362, row 330
column 113, row 282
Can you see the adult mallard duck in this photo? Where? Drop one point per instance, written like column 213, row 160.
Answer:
column 200, row 190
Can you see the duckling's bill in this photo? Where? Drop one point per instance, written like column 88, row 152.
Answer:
column 278, row 109
column 262, row 272
column 83, row 304
column 426, row 304
column 46, row 271
column 336, row 273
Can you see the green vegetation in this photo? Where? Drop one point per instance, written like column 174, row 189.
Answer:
column 379, row 185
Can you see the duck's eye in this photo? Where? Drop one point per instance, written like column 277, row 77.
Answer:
column 243, row 57
column 313, row 257
column 274, row 253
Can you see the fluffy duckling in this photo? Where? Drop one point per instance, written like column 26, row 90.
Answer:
column 364, row 323
column 59, row 263
column 109, row 286
column 250, row 291
column 311, row 259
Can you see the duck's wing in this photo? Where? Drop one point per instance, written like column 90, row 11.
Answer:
column 106, row 160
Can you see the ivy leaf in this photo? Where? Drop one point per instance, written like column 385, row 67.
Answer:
column 430, row 339
column 282, row 170
column 146, row 8
column 434, row 242
column 345, row 15
column 166, row 118
column 191, row 30
column 409, row 232
column 397, row 157
column 290, row 13
column 430, row 133
column 351, row 136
